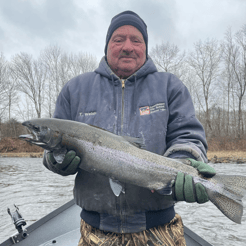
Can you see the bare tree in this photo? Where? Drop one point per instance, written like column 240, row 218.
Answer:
column 61, row 67
column 205, row 62
column 168, row 58
column 12, row 95
column 189, row 79
column 82, row 63
column 235, row 60
column 11, row 91
column 239, row 68
column 3, row 82
column 226, row 87
column 25, row 109
column 66, row 69
column 31, row 75
column 51, row 58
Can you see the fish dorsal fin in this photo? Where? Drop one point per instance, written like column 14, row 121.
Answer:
column 137, row 142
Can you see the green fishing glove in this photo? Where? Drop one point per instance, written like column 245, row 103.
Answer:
column 202, row 168
column 69, row 165
column 186, row 190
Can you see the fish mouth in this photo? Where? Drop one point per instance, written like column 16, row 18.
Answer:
column 32, row 138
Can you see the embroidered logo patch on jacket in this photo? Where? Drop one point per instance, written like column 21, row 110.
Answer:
column 152, row 109
column 144, row 110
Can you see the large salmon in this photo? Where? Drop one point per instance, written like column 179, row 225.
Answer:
column 122, row 158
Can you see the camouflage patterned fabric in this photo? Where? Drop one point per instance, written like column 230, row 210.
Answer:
column 170, row 234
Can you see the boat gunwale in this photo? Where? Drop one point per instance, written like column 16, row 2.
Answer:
column 34, row 226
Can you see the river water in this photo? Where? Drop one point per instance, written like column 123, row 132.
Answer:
column 37, row 191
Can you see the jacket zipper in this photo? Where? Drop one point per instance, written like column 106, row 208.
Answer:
column 122, row 109
column 122, row 197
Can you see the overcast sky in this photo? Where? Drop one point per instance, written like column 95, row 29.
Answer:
column 79, row 25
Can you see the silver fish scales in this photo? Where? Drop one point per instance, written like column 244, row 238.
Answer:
column 120, row 158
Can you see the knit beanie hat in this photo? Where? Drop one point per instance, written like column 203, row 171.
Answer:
column 127, row 18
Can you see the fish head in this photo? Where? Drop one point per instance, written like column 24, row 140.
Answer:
column 42, row 134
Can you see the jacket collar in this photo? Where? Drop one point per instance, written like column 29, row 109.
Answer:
column 104, row 69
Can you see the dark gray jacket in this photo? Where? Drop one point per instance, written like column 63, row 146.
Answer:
column 154, row 106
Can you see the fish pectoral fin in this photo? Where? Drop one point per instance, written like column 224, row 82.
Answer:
column 137, row 142
column 59, row 154
column 116, row 187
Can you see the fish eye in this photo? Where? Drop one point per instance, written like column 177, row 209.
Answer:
column 44, row 130
column 36, row 128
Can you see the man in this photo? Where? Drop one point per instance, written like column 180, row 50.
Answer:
column 127, row 96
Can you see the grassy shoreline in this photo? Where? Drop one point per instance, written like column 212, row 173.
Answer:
column 213, row 156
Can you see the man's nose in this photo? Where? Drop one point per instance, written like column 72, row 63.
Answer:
column 128, row 46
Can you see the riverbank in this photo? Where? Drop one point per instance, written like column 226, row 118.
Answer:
column 23, row 154
column 227, row 156
column 213, row 156
column 14, row 147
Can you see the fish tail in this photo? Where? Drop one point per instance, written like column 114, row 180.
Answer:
column 227, row 195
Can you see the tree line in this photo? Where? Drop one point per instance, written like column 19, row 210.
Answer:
column 213, row 71
column 36, row 82
column 215, row 74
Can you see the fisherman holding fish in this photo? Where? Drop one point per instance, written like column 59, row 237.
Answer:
column 127, row 96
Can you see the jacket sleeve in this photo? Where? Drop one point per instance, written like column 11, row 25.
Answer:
column 185, row 134
column 63, row 108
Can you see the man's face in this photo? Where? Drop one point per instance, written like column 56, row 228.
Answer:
column 126, row 51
